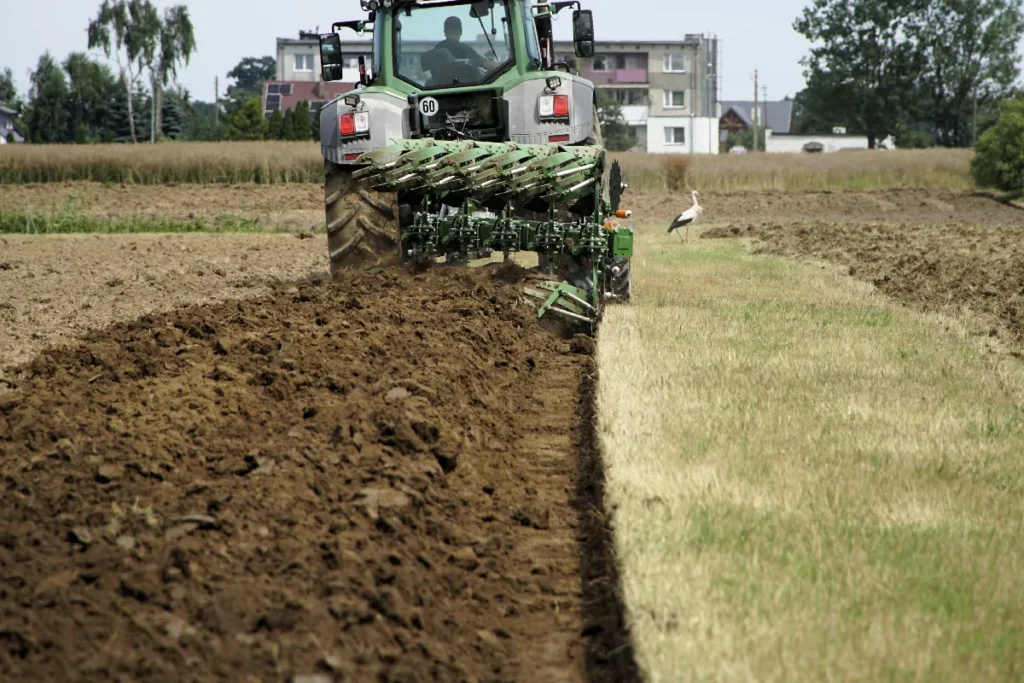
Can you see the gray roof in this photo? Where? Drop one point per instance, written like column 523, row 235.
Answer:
column 5, row 110
column 779, row 112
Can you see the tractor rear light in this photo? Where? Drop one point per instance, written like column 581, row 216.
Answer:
column 348, row 124
column 561, row 105
column 558, row 138
column 553, row 106
column 355, row 123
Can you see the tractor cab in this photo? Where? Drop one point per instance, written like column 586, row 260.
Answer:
column 430, row 45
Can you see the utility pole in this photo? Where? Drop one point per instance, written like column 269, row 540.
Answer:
column 216, row 99
column 755, row 111
column 764, row 105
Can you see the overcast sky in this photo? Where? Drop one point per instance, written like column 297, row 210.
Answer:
column 754, row 34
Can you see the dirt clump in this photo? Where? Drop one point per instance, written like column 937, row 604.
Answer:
column 721, row 233
column 370, row 478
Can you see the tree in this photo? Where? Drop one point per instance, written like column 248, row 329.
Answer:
column 314, row 123
column 745, row 138
column 275, row 126
column 247, row 122
column 617, row 135
column 177, row 43
column 287, row 124
column 202, row 124
column 250, row 74
column 8, row 92
column 92, row 86
column 864, row 60
column 130, row 29
column 172, row 114
column 48, row 101
column 970, row 48
column 999, row 154
column 814, row 108
column 121, row 120
column 300, row 123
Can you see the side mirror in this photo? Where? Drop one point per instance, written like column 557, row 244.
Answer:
column 583, row 32
column 481, row 9
column 331, row 62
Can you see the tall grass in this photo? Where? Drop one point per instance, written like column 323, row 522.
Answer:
column 947, row 169
column 192, row 162
column 300, row 162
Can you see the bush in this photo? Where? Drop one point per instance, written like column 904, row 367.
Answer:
column 999, row 154
column 677, row 169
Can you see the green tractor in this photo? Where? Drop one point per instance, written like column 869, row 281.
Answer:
column 457, row 148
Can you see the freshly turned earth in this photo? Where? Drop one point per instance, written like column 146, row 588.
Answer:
column 372, row 478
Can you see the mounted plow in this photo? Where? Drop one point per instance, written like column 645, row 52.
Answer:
column 464, row 200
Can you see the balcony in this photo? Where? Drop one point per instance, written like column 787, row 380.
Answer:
column 635, row 114
column 616, row 76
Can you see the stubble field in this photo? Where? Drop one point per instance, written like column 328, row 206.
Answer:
column 803, row 433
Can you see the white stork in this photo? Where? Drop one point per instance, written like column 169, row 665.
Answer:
column 687, row 217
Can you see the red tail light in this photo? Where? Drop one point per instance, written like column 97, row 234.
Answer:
column 348, row 124
column 561, row 105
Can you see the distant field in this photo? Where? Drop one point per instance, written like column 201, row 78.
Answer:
column 300, row 162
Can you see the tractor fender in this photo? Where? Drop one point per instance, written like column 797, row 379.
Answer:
column 525, row 125
column 389, row 121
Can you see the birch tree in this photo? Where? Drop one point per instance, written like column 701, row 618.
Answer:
column 129, row 30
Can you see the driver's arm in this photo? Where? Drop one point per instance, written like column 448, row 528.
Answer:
column 474, row 58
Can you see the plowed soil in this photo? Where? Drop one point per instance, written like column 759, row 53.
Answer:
column 374, row 478
column 55, row 288
column 957, row 255
column 899, row 207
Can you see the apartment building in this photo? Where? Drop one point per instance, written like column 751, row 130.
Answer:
column 668, row 90
column 298, row 74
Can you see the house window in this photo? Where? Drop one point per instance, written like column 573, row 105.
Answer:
column 675, row 62
column 675, row 136
column 630, row 97
column 601, row 63
column 303, row 62
column 675, row 99
column 352, row 61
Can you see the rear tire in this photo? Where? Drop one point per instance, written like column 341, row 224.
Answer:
column 362, row 225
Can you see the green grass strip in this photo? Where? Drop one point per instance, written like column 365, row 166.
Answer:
column 66, row 222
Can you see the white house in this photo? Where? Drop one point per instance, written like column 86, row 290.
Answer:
column 834, row 142
column 7, row 125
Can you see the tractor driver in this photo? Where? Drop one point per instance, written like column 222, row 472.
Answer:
column 451, row 49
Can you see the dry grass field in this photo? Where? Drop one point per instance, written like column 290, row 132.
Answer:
column 810, row 430
column 292, row 162
column 809, row 481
